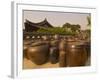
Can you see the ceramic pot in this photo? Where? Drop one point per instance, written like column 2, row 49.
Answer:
column 76, row 55
column 38, row 53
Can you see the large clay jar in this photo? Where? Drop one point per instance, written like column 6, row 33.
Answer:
column 54, row 43
column 25, row 47
column 87, row 46
column 54, row 51
column 76, row 55
column 62, row 53
column 62, row 59
column 38, row 53
column 54, row 55
column 26, row 44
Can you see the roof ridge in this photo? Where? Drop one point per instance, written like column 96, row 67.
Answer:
column 39, row 23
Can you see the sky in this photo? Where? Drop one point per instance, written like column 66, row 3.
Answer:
column 57, row 18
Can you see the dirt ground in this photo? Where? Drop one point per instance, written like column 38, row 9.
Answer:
column 28, row 64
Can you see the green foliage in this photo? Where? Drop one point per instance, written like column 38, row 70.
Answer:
column 89, row 20
column 66, row 29
column 72, row 28
column 55, row 30
column 67, row 25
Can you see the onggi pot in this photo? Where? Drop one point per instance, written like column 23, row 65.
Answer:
column 76, row 55
column 38, row 53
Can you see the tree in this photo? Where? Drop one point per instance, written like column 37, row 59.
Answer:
column 89, row 20
column 72, row 28
column 67, row 25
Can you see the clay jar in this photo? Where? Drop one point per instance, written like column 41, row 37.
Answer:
column 26, row 44
column 76, row 55
column 88, row 48
column 54, row 55
column 38, row 53
column 62, row 53
column 54, row 52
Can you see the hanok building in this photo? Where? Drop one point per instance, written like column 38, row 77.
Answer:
column 31, row 26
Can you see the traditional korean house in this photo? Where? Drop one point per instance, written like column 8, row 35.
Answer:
column 31, row 26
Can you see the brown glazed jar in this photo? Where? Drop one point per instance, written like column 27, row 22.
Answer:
column 25, row 47
column 38, row 53
column 76, row 55
column 62, row 59
column 62, row 53
column 26, row 44
column 87, row 46
column 54, row 51
column 54, row 55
